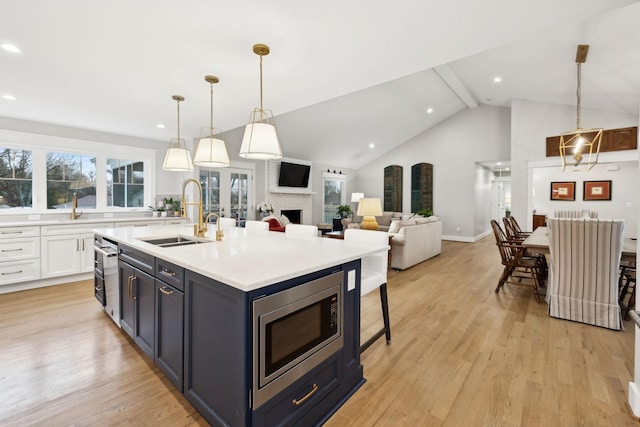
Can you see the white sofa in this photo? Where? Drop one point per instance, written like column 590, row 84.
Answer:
column 413, row 244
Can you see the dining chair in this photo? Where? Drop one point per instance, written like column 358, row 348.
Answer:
column 519, row 268
column 373, row 275
column 516, row 227
column 511, row 232
column 256, row 225
column 301, row 230
column 226, row 223
column 627, row 286
column 583, row 275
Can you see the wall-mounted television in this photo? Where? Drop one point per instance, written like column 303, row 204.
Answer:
column 293, row 175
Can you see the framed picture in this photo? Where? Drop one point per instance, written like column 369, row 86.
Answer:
column 563, row 190
column 597, row 190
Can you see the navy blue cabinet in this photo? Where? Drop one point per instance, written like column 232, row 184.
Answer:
column 137, row 306
column 169, row 332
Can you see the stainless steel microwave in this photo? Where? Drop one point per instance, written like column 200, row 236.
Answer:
column 294, row 331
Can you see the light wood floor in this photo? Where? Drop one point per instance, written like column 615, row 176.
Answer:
column 461, row 356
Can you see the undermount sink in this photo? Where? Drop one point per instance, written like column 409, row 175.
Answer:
column 172, row 241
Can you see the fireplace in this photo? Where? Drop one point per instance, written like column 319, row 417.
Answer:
column 294, row 215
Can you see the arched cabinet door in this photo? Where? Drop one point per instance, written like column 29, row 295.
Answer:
column 393, row 188
column 421, row 187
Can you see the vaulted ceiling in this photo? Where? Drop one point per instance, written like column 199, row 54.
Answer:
column 340, row 76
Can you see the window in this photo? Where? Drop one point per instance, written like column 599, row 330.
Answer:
column 125, row 183
column 210, row 182
column 239, row 195
column 16, row 177
column 334, row 195
column 68, row 174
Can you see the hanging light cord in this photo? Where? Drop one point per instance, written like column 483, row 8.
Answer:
column 261, row 109
column 211, row 84
column 578, row 95
column 178, row 102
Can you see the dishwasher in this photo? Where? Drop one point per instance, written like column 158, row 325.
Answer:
column 107, row 288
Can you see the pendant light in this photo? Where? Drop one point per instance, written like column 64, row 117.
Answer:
column 260, row 140
column 178, row 158
column 580, row 142
column 211, row 151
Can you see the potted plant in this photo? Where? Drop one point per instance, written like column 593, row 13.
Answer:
column 154, row 211
column 425, row 212
column 162, row 211
column 344, row 211
column 172, row 206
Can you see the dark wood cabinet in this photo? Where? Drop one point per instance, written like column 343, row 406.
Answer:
column 539, row 221
column 169, row 331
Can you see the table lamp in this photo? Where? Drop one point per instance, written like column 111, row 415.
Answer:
column 369, row 208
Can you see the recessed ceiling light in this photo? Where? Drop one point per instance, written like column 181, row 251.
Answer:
column 160, row 126
column 371, row 145
column 9, row 97
column 10, row 48
column 429, row 110
column 497, row 79
column 498, row 164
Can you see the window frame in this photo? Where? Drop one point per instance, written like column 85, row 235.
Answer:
column 39, row 145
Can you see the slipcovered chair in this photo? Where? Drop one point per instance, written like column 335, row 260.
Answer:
column 583, row 275
column 256, row 225
column 576, row 214
column 301, row 230
column 226, row 223
column 373, row 275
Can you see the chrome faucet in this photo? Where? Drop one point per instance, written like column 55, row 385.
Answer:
column 74, row 206
column 200, row 228
column 219, row 232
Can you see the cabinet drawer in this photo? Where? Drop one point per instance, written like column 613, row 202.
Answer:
column 19, row 271
column 136, row 258
column 138, row 223
column 14, row 249
column 292, row 404
column 13, row 232
column 51, row 230
column 170, row 273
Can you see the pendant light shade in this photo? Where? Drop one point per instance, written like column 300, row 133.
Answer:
column 211, row 151
column 260, row 140
column 177, row 158
column 580, row 143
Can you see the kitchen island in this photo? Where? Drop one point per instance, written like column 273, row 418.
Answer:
column 195, row 310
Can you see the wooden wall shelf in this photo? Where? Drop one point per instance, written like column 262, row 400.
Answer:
column 612, row 140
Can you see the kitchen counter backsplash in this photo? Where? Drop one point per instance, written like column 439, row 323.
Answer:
column 64, row 218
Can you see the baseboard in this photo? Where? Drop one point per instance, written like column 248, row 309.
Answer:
column 466, row 239
column 45, row 282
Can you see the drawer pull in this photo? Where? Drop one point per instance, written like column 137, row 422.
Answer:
column 98, row 288
column 299, row 402
column 11, row 250
column 166, row 291
column 168, row 272
column 140, row 225
column 10, row 232
column 11, row 272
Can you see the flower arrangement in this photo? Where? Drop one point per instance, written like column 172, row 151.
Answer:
column 265, row 207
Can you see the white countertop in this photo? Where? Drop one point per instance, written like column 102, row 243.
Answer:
column 81, row 220
column 246, row 260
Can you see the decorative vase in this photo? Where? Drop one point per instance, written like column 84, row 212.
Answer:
column 163, row 213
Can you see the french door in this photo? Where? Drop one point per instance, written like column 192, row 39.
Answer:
column 228, row 192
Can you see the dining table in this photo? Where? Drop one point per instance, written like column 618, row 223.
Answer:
column 538, row 242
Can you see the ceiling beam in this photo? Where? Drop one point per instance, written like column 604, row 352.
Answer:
column 452, row 80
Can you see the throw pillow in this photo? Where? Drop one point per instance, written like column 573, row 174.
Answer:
column 384, row 219
column 394, row 227
column 422, row 220
column 408, row 223
column 270, row 217
column 284, row 220
column 356, row 226
column 407, row 217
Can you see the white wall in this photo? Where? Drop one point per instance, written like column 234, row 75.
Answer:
column 624, row 192
column 531, row 124
column 453, row 147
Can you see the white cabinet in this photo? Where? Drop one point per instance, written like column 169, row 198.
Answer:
column 19, row 254
column 68, row 249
